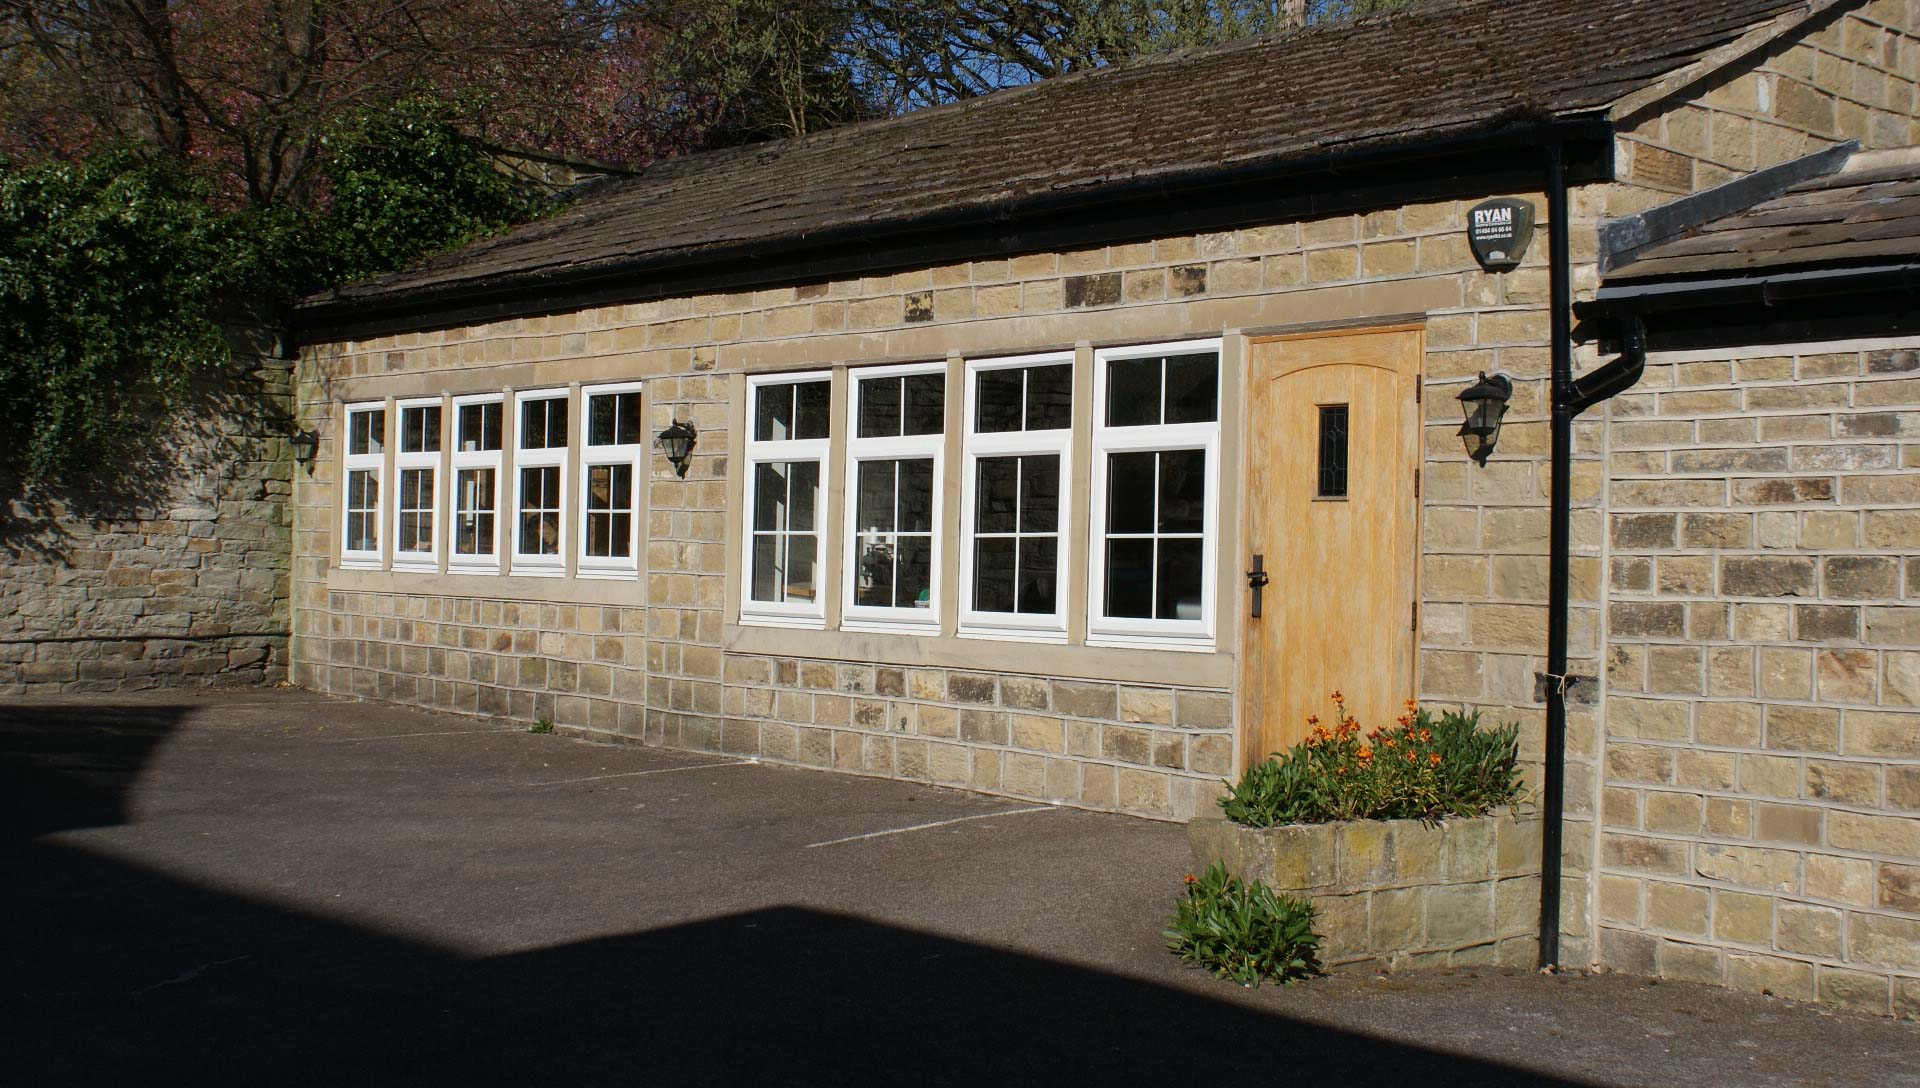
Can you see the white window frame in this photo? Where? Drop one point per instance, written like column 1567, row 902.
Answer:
column 489, row 562
column 856, row 617
column 785, row 613
column 631, row 454
column 534, row 563
column 375, row 463
column 1191, row 635
column 404, row 462
column 1021, row 627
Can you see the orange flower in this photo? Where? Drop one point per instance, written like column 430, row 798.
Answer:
column 1365, row 753
column 1413, row 705
column 1313, row 719
column 1191, row 879
column 1413, row 757
column 1434, row 759
column 1426, row 735
column 1337, row 697
column 1387, row 742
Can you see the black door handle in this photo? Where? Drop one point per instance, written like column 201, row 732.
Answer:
column 1257, row 581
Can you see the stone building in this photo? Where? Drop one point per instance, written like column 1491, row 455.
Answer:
column 994, row 407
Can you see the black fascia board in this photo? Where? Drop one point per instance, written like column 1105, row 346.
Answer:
column 1464, row 164
column 1789, row 306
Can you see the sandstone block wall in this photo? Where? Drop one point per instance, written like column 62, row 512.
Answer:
column 175, row 574
column 673, row 665
column 1761, row 807
column 1397, row 894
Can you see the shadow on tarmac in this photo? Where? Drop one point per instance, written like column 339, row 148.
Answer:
column 117, row 973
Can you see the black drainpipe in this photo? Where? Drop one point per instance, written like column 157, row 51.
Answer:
column 1570, row 398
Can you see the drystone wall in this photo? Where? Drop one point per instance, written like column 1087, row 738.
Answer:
column 174, row 570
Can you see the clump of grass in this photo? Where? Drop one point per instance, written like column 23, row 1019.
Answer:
column 544, row 725
column 1243, row 930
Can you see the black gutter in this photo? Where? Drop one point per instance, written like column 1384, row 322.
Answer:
column 1570, row 397
column 1213, row 199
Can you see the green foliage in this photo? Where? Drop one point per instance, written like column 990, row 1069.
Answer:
column 117, row 270
column 109, row 271
column 1423, row 768
column 405, row 182
column 544, row 725
column 1243, row 930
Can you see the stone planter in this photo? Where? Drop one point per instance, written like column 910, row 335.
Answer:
column 1397, row 894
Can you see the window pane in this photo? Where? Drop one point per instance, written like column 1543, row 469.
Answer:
column 925, row 411
column 1179, row 596
column 1193, row 388
column 1183, row 491
column 766, row 568
column 1333, row 451
column 479, row 427
column 1038, row 574
column 1050, row 398
column 599, row 486
column 802, row 549
column 1133, row 392
column 879, row 408
column 993, row 575
column 599, row 535
column 916, row 496
column 874, row 510
column 420, row 429
column 805, row 477
column 1130, row 492
column 416, row 488
column 996, row 495
column 363, row 490
column 602, row 415
column 543, row 424
column 360, row 536
column 473, row 534
column 873, row 584
column 913, row 581
column 773, row 413
column 1040, row 494
column 1130, row 579
column 628, row 425
column 475, row 488
column 812, row 409
column 539, row 534
column 770, row 496
column 367, row 431
column 997, row 396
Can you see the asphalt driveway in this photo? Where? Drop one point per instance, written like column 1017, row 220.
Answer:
column 278, row 887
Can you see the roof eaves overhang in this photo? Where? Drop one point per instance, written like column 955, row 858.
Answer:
column 1793, row 304
column 1502, row 155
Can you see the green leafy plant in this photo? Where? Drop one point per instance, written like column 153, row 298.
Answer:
column 1243, row 930
column 1424, row 767
column 120, row 270
column 544, row 725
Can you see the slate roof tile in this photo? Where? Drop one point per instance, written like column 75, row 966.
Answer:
column 1435, row 69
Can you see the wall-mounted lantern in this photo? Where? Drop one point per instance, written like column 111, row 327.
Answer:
column 306, row 444
column 1483, row 404
column 677, row 443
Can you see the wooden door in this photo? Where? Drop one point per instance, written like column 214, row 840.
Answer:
column 1333, row 441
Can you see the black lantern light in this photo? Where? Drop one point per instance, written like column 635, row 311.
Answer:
column 1483, row 404
column 677, row 443
column 305, row 445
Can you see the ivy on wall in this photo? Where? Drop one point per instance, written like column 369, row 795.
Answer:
column 118, row 270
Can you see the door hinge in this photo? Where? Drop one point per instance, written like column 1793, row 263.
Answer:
column 1413, row 616
column 1417, row 389
column 1416, row 483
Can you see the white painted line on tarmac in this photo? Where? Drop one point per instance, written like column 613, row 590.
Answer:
column 636, row 774
column 936, row 823
column 404, row 736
